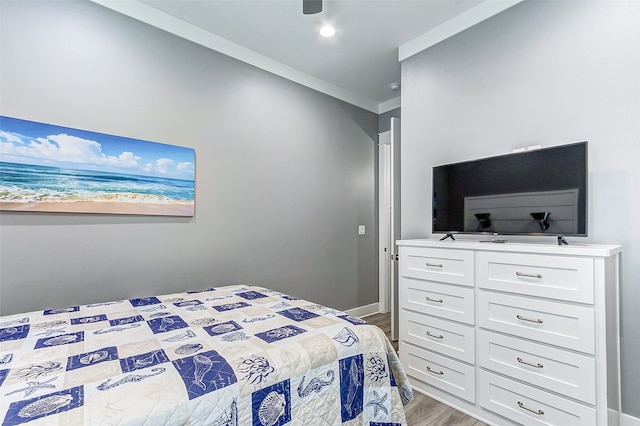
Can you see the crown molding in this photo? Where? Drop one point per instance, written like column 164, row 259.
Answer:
column 471, row 17
column 389, row 105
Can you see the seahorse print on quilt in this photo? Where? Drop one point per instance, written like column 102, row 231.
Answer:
column 133, row 378
column 315, row 385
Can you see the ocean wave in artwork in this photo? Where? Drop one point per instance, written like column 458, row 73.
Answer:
column 22, row 183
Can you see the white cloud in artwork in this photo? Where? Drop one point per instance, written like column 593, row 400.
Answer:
column 7, row 149
column 67, row 148
column 167, row 166
column 64, row 148
column 126, row 159
column 186, row 166
column 9, row 137
column 163, row 165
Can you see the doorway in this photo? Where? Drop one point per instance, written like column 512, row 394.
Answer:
column 389, row 220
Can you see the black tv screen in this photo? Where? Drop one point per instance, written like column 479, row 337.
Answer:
column 534, row 192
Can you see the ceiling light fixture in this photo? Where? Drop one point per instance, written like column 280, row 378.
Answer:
column 310, row 7
column 327, row 31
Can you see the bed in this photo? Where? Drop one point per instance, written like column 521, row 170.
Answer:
column 234, row 355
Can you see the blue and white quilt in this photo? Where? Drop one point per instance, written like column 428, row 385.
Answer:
column 236, row 355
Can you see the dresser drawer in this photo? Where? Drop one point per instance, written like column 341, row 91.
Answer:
column 442, row 300
column 559, row 371
column 448, row 266
column 559, row 324
column 444, row 373
column 530, row 406
column 445, row 337
column 553, row 277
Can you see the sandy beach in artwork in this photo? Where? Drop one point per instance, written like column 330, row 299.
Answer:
column 160, row 209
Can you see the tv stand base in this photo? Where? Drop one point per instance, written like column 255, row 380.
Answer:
column 449, row 235
column 562, row 241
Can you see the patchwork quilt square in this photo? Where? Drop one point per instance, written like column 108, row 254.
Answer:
column 230, row 306
column 88, row 320
column 164, row 324
column 351, row 387
column 204, row 373
column 222, row 328
column 280, row 333
column 272, row 405
column 145, row 301
column 127, row 320
column 251, row 295
column 36, row 408
column 298, row 314
column 61, row 311
column 14, row 333
column 145, row 360
column 92, row 358
column 63, row 339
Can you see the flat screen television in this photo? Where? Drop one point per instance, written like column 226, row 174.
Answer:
column 534, row 192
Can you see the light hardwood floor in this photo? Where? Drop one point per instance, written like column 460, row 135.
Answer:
column 422, row 410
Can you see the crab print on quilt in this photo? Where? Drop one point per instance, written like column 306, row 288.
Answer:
column 226, row 356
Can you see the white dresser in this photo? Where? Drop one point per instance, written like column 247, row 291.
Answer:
column 513, row 333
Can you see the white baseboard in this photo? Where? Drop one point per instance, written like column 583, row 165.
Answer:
column 363, row 311
column 627, row 420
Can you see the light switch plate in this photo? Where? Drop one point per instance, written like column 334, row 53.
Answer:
column 361, row 230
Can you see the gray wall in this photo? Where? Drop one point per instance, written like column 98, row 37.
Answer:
column 284, row 174
column 539, row 73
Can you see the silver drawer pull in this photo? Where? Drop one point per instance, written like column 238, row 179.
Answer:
column 537, row 320
column 524, row 274
column 433, row 300
column 539, row 412
column 439, row 373
column 435, row 265
column 433, row 335
column 521, row 361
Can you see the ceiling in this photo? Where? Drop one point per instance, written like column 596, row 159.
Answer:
column 357, row 65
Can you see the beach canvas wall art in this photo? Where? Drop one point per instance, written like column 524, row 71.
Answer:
column 49, row 168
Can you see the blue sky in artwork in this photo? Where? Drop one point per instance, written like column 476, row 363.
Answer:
column 29, row 142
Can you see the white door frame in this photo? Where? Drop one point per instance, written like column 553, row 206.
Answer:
column 384, row 221
column 389, row 221
column 394, row 224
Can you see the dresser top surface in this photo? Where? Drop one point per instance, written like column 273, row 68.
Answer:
column 573, row 249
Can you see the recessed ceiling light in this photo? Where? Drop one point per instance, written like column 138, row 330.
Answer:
column 327, row 31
